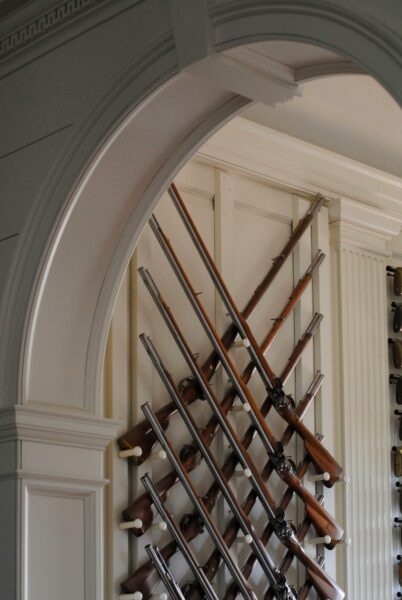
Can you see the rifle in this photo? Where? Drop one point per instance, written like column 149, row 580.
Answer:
column 278, row 583
column 164, row 573
column 320, row 457
column 398, row 413
column 141, row 436
column 397, row 379
column 145, row 578
column 322, row 520
column 210, row 525
column 397, row 461
column 396, row 273
column 396, row 352
column 189, row 455
column 397, row 320
column 179, row 539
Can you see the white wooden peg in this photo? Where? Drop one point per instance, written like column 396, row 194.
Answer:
column 241, row 472
column 159, row 455
column 326, row 539
column 161, row 525
column 320, row 477
column 136, row 524
column 241, row 343
column 344, row 479
column 245, row 538
column 136, row 451
column 346, row 540
column 140, row 596
column 242, row 407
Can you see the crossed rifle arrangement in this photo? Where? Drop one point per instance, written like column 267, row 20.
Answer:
column 137, row 444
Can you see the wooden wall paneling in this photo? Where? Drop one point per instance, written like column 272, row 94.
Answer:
column 224, row 258
column 364, row 405
column 324, row 410
column 304, row 372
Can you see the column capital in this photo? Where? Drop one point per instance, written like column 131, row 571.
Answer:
column 362, row 225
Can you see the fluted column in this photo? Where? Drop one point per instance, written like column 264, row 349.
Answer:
column 359, row 241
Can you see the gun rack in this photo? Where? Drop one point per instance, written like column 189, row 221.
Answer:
column 152, row 438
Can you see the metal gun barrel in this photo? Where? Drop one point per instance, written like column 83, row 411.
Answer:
column 213, row 531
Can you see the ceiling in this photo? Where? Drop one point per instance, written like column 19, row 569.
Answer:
column 350, row 114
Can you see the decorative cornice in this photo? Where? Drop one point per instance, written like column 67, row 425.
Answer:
column 78, row 429
column 54, row 18
column 370, row 197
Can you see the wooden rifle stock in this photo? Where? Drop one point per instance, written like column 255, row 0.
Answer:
column 288, row 558
column 142, row 434
column 144, row 579
column 320, row 456
column 141, row 507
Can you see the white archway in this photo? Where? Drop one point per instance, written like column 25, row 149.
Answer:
column 106, row 211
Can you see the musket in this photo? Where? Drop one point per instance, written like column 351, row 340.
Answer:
column 278, row 582
column 145, row 578
column 322, row 520
column 320, row 457
column 164, row 572
column 140, row 508
column 396, row 273
column 324, row 586
column 396, row 352
column 244, row 588
column 179, row 539
column 141, row 436
column 397, row 379
column 288, row 558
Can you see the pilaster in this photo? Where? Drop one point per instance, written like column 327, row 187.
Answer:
column 359, row 242
column 51, row 486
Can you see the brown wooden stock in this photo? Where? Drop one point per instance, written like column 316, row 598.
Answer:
column 142, row 434
column 145, row 578
column 288, row 558
column 320, row 457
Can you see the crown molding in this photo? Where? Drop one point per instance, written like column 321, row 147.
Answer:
column 37, row 424
column 356, row 193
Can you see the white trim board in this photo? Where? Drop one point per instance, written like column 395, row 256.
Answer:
column 292, row 164
column 79, row 430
